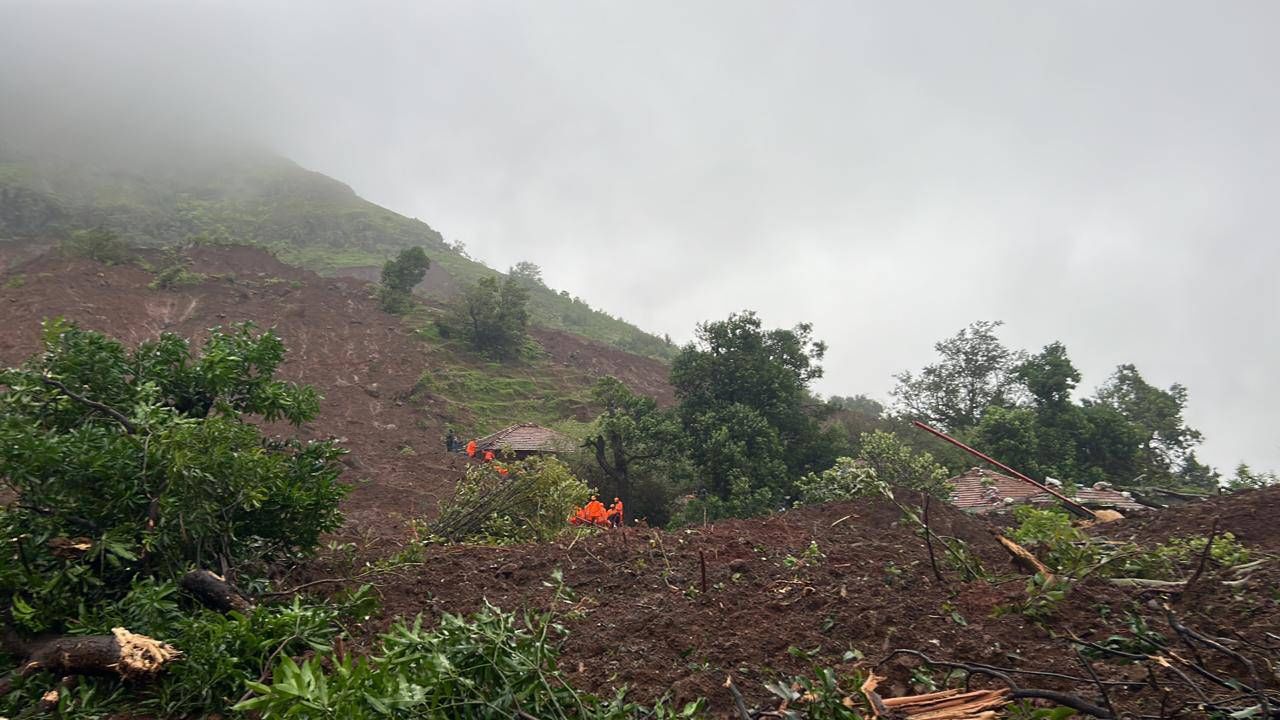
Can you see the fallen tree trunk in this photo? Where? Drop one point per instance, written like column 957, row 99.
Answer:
column 943, row 705
column 1148, row 584
column 1023, row 558
column 122, row 653
column 214, row 592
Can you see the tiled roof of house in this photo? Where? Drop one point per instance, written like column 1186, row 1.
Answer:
column 527, row 437
column 982, row 490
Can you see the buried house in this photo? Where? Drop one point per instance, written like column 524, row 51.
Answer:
column 525, row 439
column 981, row 491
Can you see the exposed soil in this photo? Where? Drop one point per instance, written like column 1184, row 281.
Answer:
column 1251, row 516
column 643, row 375
column 641, row 619
column 363, row 361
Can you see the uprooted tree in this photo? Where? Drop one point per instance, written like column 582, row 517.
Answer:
column 136, row 467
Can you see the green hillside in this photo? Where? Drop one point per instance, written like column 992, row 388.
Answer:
column 304, row 217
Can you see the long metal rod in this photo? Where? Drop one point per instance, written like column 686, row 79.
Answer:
column 1072, row 505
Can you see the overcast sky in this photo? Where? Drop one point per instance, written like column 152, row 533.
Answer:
column 1105, row 174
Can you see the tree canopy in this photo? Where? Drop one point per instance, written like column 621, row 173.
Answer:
column 400, row 276
column 633, row 442
column 1166, row 438
column 745, row 408
column 527, row 272
column 1022, row 409
column 493, row 316
column 974, row 371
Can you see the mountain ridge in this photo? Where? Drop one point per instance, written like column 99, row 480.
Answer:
column 241, row 196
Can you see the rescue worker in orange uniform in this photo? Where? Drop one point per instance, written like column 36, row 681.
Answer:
column 596, row 512
column 615, row 513
column 471, row 449
column 488, row 456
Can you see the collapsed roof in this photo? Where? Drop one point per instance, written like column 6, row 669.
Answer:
column 527, row 438
column 981, row 490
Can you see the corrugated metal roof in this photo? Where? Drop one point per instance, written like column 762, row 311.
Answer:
column 982, row 490
column 527, row 437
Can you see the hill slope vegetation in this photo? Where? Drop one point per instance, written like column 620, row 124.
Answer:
column 159, row 197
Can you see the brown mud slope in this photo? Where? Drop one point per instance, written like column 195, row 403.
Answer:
column 641, row 618
column 364, row 362
column 1252, row 516
column 643, row 375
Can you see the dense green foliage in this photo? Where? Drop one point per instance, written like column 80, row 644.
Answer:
column 634, row 450
column 144, row 463
column 130, row 467
column 527, row 272
column 746, row 411
column 399, row 276
column 492, row 664
column 900, row 466
column 1065, row 548
column 172, row 270
column 848, row 479
column 1155, row 413
column 220, row 652
column 1246, row 478
column 492, row 315
column 974, row 372
column 883, row 464
column 1022, row 409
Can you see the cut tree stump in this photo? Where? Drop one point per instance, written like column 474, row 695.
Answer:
column 122, row 653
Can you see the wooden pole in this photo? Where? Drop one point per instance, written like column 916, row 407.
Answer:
column 1072, row 505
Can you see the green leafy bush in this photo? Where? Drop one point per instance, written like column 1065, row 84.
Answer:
column 174, row 271
column 1044, row 595
column 1051, row 537
column 746, row 412
column 896, row 464
column 492, row 316
column 492, row 664
column 822, row 695
column 743, row 501
column 1066, row 549
column 141, row 464
column 220, row 652
column 848, row 479
column 531, row 503
column 98, row 244
column 1178, row 558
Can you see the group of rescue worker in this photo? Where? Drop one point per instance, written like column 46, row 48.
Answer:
column 453, row 444
column 595, row 513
